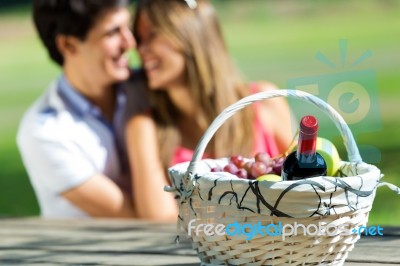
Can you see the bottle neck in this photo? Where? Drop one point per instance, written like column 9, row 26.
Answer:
column 307, row 145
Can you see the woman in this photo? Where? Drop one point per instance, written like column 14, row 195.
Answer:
column 191, row 79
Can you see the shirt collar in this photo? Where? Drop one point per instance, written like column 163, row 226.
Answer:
column 79, row 104
column 76, row 101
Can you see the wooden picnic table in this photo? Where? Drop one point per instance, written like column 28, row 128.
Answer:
column 36, row 241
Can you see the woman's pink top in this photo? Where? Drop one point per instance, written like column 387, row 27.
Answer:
column 264, row 141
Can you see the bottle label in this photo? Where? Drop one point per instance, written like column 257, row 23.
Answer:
column 306, row 148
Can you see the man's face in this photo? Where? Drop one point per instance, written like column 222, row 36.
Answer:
column 103, row 54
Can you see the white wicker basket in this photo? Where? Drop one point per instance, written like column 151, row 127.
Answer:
column 206, row 197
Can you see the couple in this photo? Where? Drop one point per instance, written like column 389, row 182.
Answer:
column 95, row 145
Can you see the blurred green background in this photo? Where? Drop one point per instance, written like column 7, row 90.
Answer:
column 269, row 40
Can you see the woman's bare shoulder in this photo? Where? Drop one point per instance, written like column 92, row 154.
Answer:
column 264, row 85
column 276, row 116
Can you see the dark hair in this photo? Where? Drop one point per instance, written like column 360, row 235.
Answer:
column 69, row 17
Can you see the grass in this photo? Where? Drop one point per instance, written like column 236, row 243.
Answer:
column 269, row 40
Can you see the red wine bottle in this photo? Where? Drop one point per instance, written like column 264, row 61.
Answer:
column 305, row 162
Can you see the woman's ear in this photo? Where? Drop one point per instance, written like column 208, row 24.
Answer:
column 67, row 45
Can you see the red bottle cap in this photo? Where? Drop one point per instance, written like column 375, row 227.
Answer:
column 309, row 124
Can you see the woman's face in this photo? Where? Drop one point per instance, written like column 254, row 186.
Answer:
column 163, row 63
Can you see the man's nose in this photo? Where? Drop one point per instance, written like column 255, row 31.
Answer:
column 128, row 39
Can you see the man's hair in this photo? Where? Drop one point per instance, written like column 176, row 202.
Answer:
column 68, row 17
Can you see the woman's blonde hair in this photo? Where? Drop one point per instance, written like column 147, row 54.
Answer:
column 212, row 78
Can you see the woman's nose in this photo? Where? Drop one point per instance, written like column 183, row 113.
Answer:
column 142, row 48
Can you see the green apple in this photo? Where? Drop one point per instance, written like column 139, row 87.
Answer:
column 269, row 177
column 329, row 152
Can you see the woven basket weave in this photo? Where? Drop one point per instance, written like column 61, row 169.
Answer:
column 213, row 198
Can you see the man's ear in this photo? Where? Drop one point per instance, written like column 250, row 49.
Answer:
column 67, row 45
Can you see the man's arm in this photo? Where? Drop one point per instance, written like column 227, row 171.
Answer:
column 100, row 197
column 58, row 166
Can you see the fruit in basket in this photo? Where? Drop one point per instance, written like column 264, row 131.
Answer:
column 263, row 157
column 269, row 177
column 259, row 169
column 247, row 166
column 216, row 169
column 231, row 168
column 329, row 152
column 237, row 160
column 262, row 164
column 242, row 173
column 277, row 165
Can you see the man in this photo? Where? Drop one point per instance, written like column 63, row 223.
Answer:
column 70, row 138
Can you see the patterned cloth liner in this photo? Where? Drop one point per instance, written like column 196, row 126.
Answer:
column 318, row 196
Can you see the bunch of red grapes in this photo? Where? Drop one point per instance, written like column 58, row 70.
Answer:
column 251, row 169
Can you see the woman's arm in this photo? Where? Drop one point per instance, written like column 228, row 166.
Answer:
column 148, row 176
column 276, row 118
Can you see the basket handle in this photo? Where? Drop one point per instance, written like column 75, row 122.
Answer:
column 348, row 139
